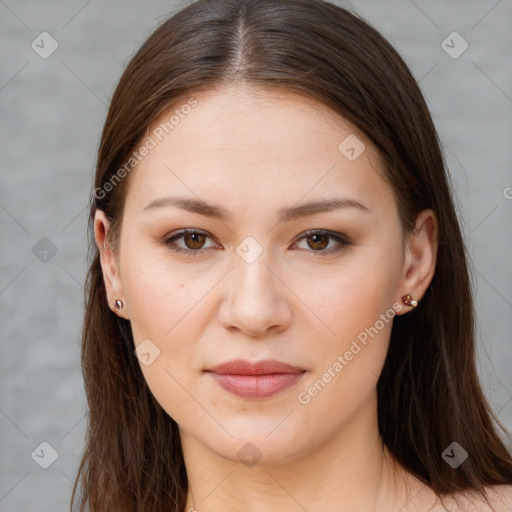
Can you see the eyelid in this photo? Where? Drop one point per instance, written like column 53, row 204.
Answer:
column 341, row 239
column 169, row 239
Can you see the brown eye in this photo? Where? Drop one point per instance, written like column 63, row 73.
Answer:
column 318, row 241
column 194, row 240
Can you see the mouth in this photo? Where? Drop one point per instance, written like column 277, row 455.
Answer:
column 256, row 380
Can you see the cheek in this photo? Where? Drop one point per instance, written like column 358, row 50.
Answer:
column 354, row 305
column 162, row 309
column 350, row 347
column 168, row 304
column 349, row 299
column 158, row 295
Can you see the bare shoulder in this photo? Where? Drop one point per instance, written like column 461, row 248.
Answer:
column 499, row 498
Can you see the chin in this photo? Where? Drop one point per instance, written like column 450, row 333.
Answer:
column 251, row 444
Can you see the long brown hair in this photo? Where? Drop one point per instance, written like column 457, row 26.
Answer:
column 428, row 393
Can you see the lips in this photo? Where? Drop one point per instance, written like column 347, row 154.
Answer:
column 267, row 367
column 256, row 380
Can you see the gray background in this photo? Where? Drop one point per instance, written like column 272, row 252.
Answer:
column 52, row 111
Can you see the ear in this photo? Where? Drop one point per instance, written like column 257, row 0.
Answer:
column 109, row 263
column 420, row 258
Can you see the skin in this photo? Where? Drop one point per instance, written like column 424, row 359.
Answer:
column 254, row 152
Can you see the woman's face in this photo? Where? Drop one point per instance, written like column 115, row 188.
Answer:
column 253, row 284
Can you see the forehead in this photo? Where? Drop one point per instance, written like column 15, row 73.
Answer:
column 238, row 144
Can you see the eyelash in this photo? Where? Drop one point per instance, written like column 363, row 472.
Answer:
column 342, row 240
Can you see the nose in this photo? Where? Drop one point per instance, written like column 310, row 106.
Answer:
column 257, row 298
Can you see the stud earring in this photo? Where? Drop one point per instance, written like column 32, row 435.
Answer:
column 408, row 300
column 118, row 304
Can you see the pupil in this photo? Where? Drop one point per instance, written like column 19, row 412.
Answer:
column 196, row 239
column 316, row 241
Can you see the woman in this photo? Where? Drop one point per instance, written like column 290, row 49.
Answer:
column 279, row 313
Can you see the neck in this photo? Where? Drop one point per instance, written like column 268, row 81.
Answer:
column 351, row 471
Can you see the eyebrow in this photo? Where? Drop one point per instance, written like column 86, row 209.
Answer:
column 285, row 214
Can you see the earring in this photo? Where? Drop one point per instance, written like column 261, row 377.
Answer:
column 119, row 304
column 408, row 300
